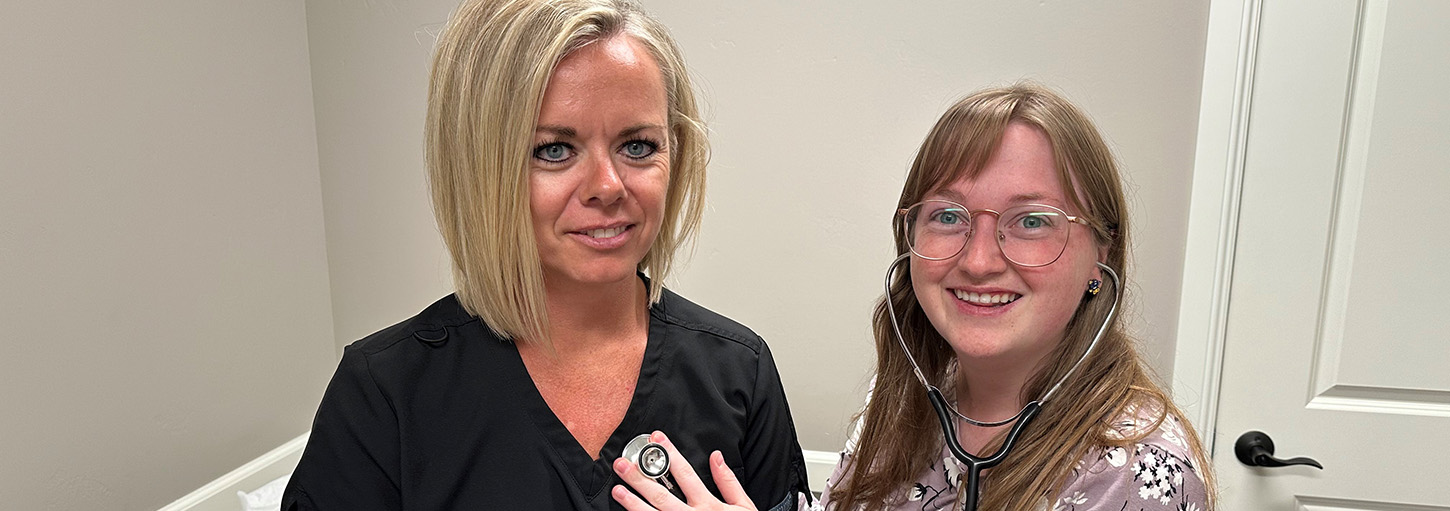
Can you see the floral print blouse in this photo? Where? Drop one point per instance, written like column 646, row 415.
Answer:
column 1157, row 473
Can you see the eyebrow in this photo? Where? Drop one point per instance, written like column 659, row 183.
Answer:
column 562, row 131
column 634, row 130
column 1028, row 197
column 949, row 194
column 567, row 132
column 1020, row 198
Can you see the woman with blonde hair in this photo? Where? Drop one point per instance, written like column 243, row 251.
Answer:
column 1003, row 380
column 567, row 162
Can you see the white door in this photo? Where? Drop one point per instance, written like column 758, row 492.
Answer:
column 1338, row 304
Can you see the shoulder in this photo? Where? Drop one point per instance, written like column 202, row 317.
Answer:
column 687, row 316
column 1148, row 424
column 430, row 325
column 1154, row 469
column 439, row 341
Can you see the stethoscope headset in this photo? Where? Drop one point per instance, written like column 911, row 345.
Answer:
column 945, row 412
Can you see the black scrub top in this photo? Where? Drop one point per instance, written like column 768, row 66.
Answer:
column 437, row 412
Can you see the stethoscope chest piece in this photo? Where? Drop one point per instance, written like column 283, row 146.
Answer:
column 650, row 457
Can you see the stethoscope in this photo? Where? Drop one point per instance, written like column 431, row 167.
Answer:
column 975, row 464
column 651, row 458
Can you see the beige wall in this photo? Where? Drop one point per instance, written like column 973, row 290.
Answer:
column 172, row 307
column 819, row 110
column 370, row 77
column 164, row 309
column 816, row 112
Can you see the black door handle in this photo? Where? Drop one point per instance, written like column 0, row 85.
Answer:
column 1256, row 449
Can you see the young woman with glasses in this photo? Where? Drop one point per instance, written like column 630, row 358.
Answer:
column 1004, row 308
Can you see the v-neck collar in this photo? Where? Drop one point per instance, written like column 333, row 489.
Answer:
column 590, row 475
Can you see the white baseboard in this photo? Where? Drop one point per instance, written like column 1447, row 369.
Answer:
column 221, row 494
column 819, row 465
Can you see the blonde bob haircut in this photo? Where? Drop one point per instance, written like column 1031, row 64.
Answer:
column 490, row 69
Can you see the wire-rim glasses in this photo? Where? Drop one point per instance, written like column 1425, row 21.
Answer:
column 1030, row 235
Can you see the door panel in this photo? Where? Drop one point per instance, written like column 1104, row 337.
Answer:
column 1337, row 316
column 1393, row 334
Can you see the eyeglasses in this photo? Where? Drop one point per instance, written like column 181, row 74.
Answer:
column 1030, row 235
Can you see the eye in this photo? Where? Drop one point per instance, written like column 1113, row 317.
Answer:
column 554, row 152
column 949, row 216
column 639, row 149
column 1036, row 220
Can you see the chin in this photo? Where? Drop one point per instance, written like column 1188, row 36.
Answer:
column 980, row 352
column 993, row 348
column 597, row 275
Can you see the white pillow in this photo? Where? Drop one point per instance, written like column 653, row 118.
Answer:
column 266, row 498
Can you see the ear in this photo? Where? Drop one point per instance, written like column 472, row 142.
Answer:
column 1102, row 258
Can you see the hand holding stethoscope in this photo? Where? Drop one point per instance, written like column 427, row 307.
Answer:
column 641, row 468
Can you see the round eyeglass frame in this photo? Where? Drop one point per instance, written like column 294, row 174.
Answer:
column 971, row 217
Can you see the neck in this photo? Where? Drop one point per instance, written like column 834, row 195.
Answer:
column 582, row 318
column 991, row 390
column 988, row 391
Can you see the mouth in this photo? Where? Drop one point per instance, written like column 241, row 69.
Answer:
column 986, row 299
column 604, row 237
column 605, row 233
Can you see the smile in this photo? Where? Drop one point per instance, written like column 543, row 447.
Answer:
column 604, row 238
column 606, row 233
column 988, row 299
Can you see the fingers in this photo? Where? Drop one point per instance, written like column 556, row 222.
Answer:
column 729, row 485
column 630, row 502
column 689, row 482
column 657, row 495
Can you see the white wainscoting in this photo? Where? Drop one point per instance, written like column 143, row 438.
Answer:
column 221, row 494
column 819, row 465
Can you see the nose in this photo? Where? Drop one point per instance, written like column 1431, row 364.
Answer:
column 603, row 184
column 982, row 256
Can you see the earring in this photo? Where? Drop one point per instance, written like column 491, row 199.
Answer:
column 1094, row 286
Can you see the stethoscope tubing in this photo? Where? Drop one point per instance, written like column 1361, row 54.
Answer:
column 944, row 411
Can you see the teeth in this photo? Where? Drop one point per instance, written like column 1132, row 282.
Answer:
column 986, row 299
column 605, row 233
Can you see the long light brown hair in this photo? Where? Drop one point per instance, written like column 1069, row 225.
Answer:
column 490, row 70
column 899, row 424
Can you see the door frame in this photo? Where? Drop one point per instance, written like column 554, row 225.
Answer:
column 1213, row 214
